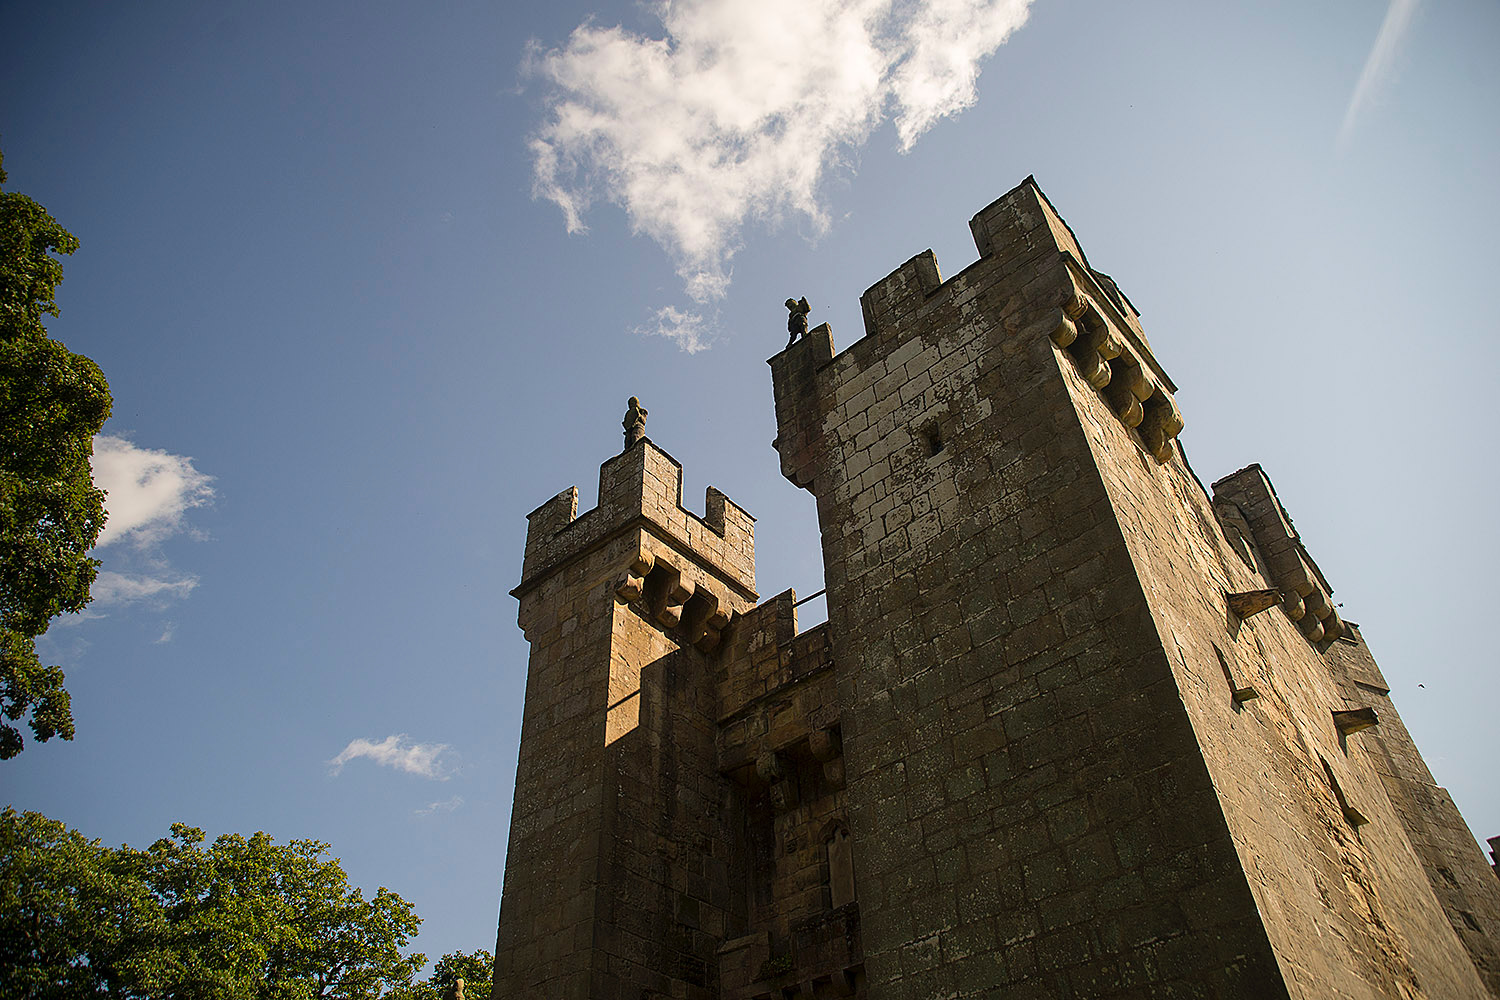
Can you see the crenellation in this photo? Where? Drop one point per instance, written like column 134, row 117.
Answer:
column 543, row 525
column 1021, row 228
column 642, row 488
column 888, row 303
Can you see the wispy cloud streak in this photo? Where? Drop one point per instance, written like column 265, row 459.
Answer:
column 446, row 805
column 739, row 110
column 1379, row 62
column 397, row 751
column 119, row 588
column 688, row 330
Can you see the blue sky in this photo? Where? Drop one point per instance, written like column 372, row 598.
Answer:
column 372, row 281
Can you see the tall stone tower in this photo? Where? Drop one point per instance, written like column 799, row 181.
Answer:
column 1076, row 726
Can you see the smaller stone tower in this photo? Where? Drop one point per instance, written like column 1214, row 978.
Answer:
column 616, row 786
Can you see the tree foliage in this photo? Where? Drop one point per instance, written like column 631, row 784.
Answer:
column 52, row 403
column 241, row 919
column 476, row 969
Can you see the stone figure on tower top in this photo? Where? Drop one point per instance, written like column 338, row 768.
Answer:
column 634, row 422
column 796, row 321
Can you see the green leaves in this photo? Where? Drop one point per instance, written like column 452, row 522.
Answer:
column 476, row 969
column 70, row 918
column 29, row 274
column 243, row 919
column 52, row 403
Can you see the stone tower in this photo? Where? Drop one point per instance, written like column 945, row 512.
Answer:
column 1075, row 727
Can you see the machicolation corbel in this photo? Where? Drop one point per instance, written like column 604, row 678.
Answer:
column 827, row 749
column 1086, row 335
column 1246, row 500
column 701, row 607
column 1109, row 363
column 672, row 603
column 631, row 588
column 1128, row 389
column 666, row 594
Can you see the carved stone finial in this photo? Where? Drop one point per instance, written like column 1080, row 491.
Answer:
column 634, row 422
column 796, row 321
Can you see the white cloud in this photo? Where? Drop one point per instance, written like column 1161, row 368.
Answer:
column 111, row 588
column 1378, row 64
column 148, row 491
column 743, row 105
column 422, row 759
column 446, row 805
column 690, row 331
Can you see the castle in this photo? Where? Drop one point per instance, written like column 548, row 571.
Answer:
column 1076, row 727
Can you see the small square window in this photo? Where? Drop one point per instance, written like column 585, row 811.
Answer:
column 932, row 434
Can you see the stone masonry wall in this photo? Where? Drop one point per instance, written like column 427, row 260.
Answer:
column 1344, row 901
column 664, row 898
column 1074, row 728
column 1308, row 813
column 1031, row 813
column 779, row 742
column 547, row 911
column 1456, row 868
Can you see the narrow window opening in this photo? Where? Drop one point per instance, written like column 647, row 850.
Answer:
column 1239, row 691
column 840, row 868
column 1352, row 816
column 933, row 434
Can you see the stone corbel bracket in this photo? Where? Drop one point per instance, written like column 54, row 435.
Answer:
column 1109, row 362
column 828, row 749
column 1351, row 721
column 675, row 599
column 1250, row 603
column 781, row 778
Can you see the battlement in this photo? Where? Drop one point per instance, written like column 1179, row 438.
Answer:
column 925, row 336
column 889, row 303
column 641, row 488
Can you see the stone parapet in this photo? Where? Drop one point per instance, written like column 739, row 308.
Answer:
column 895, row 300
column 883, row 380
column 1248, row 496
column 642, row 488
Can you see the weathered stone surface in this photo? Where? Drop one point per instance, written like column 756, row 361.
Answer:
column 1074, row 728
column 1253, row 602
